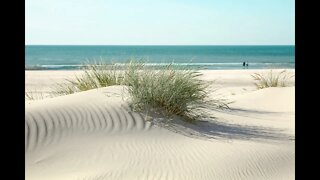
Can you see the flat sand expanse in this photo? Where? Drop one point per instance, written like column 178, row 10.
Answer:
column 94, row 135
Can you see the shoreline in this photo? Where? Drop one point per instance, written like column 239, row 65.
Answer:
column 280, row 68
column 195, row 66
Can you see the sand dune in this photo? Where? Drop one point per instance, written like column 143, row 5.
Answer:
column 94, row 135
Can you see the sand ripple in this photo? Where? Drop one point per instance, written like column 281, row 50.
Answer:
column 90, row 136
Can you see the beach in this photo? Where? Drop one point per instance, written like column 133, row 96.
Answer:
column 95, row 135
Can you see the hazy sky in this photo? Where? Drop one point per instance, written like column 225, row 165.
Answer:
column 160, row 22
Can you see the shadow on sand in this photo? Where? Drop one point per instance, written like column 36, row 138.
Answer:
column 214, row 129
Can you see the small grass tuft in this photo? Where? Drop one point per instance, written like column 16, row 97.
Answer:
column 271, row 79
column 33, row 95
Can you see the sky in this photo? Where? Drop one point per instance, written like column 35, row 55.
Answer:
column 160, row 22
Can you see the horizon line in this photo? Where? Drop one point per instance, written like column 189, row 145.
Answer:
column 159, row 44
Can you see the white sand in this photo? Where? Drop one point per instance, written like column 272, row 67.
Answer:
column 94, row 135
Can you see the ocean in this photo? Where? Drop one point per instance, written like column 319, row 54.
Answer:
column 71, row 57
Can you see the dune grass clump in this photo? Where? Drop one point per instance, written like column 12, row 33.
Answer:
column 175, row 91
column 271, row 79
column 95, row 75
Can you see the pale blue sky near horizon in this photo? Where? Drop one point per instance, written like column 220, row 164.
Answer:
column 160, row 22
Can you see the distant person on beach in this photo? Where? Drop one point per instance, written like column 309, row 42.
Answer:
column 247, row 64
column 244, row 64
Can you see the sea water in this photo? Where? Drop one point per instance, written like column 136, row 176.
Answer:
column 203, row 57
